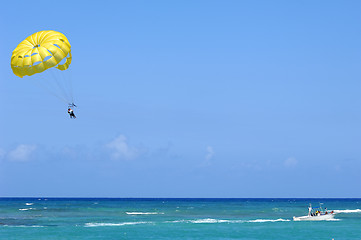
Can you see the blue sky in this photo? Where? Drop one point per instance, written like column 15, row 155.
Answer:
column 187, row 99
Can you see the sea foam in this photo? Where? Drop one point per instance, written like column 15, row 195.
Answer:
column 113, row 224
column 143, row 213
column 208, row 220
column 25, row 209
column 24, row 226
column 268, row 220
column 348, row 211
column 205, row 220
column 211, row 220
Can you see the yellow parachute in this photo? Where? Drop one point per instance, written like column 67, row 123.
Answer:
column 39, row 52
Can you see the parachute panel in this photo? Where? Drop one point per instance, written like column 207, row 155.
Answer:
column 32, row 55
column 66, row 64
column 51, row 62
column 43, row 52
column 36, row 57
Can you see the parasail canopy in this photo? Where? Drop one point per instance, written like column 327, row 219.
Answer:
column 39, row 52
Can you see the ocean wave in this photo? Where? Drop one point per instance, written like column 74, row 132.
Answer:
column 25, row 209
column 205, row 220
column 268, row 220
column 211, row 220
column 29, row 204
column 113, row 224
column 347, row 211
column 28, row 226
column 143, row 213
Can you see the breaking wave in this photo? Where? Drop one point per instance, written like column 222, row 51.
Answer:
column 24, row 226
column 211, row 220
column 206, row 220
column 113, row 224
column 143, row 213
column 25, row 209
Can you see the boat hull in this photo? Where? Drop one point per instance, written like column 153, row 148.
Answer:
column 324, row 217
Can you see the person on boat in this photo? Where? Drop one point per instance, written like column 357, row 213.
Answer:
column 71, row 113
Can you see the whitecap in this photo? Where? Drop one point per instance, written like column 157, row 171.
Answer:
column 206, row 220
column 27, row 226
column 29, row 204
column 176, row 221
column 212, row 220
column 143, row 213
column 25, row 209
column 113, row 224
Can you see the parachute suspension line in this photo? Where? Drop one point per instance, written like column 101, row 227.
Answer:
column 64, row 82
column 60, row 88
column 59, row 84
column 70, row 86
column 40, row 85
column 67, row 80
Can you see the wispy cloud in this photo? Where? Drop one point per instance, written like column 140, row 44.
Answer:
column 21, row 153
column 208, row 157
column 210, row 153
column 120, row 149
column 290, row 162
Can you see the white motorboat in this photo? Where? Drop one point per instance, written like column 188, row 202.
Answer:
column 316, row 214
column 328, row 216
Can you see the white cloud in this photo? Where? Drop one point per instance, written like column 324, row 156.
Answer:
column 291, row 162
column 210, row 153
column 120, row 149
column 21, row 153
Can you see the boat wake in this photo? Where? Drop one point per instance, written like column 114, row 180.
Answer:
column 211, row 220
column 195, row 221
column 348, row 211
column 269, row 220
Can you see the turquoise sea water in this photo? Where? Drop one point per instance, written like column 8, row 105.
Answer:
column 55, row 218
